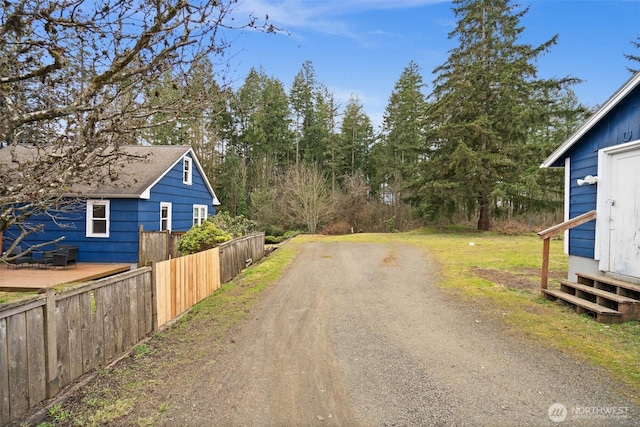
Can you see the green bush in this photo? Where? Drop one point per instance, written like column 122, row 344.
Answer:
column 202, row 237
column 271, row 240
column 236, row 226
column 273, row 230
column 292, row 233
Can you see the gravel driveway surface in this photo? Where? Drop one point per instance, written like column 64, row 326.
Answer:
column 358, row 334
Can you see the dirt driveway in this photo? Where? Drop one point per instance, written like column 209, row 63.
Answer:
column 357, row 334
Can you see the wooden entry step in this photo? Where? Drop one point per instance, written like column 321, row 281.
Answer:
column 628, row 307
column 610, row 284
column 602, row 314
column 609, row 300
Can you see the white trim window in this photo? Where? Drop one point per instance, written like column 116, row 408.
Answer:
column 199, row 214
column 187, row 170
column 98, row 218
column 165, row 216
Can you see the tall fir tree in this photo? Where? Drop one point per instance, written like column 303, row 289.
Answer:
column 399, row 148
column 275, row 122
column 304, row 96
column 634, row 58
column 166, row 128
column 323, row 130
column 541, row 191
column 357, row 137
column 260, row 139
column 487, row 98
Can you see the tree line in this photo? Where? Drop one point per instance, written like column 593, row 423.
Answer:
column 467, row 147
column 87, row 78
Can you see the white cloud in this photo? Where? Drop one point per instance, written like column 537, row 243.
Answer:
column 321, row 16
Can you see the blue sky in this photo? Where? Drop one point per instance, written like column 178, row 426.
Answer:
column 361, row 47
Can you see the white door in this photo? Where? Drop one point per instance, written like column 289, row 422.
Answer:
column 624, row 213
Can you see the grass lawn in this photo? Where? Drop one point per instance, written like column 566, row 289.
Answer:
column 502, row 273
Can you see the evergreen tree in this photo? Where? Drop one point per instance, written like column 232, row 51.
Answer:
column 542, row 190
column 323, row 132
column 487, row 98
column 259, row 140
column 303, row 96
column 399, row 149
column 209, row 104
column 166, row 128
column 357, row 137
column 634, row 58
column 275, row 121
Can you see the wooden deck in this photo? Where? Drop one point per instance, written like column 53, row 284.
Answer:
column 33, row 278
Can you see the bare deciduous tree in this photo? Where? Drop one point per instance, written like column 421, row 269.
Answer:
column 307, row 195
column 74, row 76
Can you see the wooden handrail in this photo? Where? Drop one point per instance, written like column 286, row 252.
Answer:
column 562, row 227
column 547, row 234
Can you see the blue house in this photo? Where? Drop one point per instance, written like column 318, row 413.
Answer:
column 602, row 173
column 161, row 188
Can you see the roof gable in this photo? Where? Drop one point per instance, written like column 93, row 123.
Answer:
column 611, row 103
column 189, row 152
column 135, row 175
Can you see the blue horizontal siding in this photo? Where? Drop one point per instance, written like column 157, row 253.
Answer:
column 581, row 240
column 126, row 215
column 182, row 198
column 120, row 247
column 619, row 126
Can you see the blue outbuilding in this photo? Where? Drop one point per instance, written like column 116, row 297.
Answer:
column 161, row 188
column 602, row 173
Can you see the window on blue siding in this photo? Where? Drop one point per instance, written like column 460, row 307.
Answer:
column 187, row 170
column 165, row 216
column 199, row 214
column 98, row 218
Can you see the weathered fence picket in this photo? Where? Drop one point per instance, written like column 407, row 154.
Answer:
column 48, row 341
column 237, row 254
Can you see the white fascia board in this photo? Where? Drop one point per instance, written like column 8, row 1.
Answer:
column 567, row 200
column 146, row 194
column 204, row 177
column 595, row 118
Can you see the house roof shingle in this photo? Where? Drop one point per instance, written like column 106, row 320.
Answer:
column 136, row 174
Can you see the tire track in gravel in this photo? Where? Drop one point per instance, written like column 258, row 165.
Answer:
column 357, row 334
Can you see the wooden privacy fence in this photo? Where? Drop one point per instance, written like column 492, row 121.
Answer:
column 157, row 246
column 238, row 254
column 48, row 341
column 51, row 340
column 181, row 283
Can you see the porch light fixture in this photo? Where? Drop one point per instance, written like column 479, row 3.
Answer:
column 589, row 179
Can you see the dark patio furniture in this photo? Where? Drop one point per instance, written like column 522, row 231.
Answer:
column 60, row 256
column 24, row 259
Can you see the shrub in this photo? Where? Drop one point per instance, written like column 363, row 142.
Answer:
column 273, row 230
column 236, row 226
column 292, row 233
column 202, row 237
column 337, row 228
column 272, row 240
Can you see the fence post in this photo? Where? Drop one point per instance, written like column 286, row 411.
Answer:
column 140, row 248
column 154, row 298
column 50, row 343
